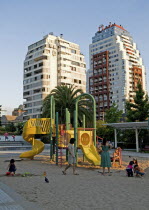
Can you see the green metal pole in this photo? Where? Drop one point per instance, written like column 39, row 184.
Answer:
column 84, row 122
column 94, row 120
column 51, row 115
column 75, row 133
column 67, row 119
column 53, row 108
column 56, row 138
column 76, row 129
column 67, row 128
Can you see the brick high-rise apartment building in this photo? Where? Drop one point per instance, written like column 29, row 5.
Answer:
column 115, row 68
column 50, row 62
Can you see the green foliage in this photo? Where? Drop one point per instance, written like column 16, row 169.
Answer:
column 113, row 115
column 104, row 131
column 19, row 128
column 10, row 127
column 65, row 97
column 139, row 110
column 2, row 128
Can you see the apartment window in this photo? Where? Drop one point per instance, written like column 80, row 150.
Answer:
column 26, row 93
column 28, row 75
column 73, row 68
column 75, row 63
column 36, row 110
column 38, row 103
column 37, row 97
column 29, row 111
column 73, row 51
column 37, row 91
column 35, row 66
column 28, row 105
column 38, row 71
column 29, row 99
column 40, row 64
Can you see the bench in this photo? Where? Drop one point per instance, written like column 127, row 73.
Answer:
column 146, row 148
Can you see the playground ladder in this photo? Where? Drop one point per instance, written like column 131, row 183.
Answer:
column 60, row 156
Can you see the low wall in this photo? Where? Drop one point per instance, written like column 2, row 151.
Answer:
column 17, row 138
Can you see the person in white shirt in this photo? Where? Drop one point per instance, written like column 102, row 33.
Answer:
column 71, row 157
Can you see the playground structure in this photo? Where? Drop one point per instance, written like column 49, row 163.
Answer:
column 32, row 127
column 85, row 137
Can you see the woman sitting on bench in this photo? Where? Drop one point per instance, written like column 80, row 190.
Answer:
column 117, row 156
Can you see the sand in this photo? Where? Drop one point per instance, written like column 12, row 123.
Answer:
column 88, row 190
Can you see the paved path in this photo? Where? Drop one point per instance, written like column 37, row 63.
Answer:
column 10, row 200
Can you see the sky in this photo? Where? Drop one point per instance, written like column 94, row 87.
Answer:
column 25, row 22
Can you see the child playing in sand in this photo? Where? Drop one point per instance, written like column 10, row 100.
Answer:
column 11, row 167
column 139, row 171
column 129, row 169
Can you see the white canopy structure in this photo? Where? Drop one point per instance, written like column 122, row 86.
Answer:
column 129, row 125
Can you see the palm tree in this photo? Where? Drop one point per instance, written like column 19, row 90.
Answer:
column 65, row 97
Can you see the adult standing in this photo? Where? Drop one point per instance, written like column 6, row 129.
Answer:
column 71, row 157
column 105, row 156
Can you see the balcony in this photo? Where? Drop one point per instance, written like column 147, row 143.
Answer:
column 41, row 57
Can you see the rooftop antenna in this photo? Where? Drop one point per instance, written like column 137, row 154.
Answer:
column 61, row 36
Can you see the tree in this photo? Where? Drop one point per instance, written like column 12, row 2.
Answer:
column 10, row 127
column 19, row 127
column 139, row 110
column 113, row 115
column 65, row 97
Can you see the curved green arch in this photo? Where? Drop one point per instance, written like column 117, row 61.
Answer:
column 76, row 116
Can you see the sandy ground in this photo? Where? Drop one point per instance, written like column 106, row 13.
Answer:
column 88, row 190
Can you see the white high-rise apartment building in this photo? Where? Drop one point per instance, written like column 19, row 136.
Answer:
column 50, row 62
column 115, row 68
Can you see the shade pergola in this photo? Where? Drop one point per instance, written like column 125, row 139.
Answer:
column 129, row 125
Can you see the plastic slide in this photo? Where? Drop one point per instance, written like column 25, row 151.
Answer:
column 91, row 154
column 32, row 127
